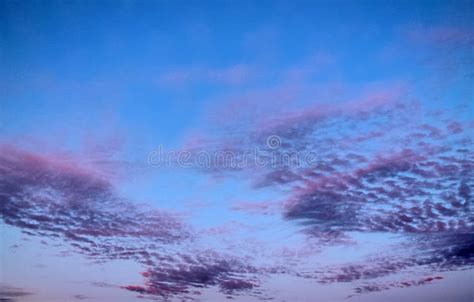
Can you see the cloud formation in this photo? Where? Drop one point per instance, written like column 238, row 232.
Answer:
column 57, row 199
column 384, row 165
column 207, row 269
column 47, row 198
column 11, row 294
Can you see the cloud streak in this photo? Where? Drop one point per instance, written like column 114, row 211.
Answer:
column 11, row 294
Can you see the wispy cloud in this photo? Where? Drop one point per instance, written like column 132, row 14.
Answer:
column 11, row 294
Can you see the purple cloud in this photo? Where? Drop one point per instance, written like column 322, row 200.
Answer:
column 11, row 294
column 185, row 278
column 45, row 197
column 62, row 201
column 378, row 170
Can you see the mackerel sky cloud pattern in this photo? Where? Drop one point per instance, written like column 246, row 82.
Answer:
column 306, row 151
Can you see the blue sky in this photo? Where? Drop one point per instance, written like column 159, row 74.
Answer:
column 380, row 91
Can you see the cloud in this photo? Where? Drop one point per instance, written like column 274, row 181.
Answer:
column 80, row 297
column 447, row 52
column 11, row 294
column 418, row 188
column 65, row 202
column 257, row 207
column 369, row 288
column 403, row 192
column 57, row 199
column 186, row 275
column 383, row 165
column 427, row 252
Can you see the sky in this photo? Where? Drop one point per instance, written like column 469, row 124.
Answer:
column 236, row 150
